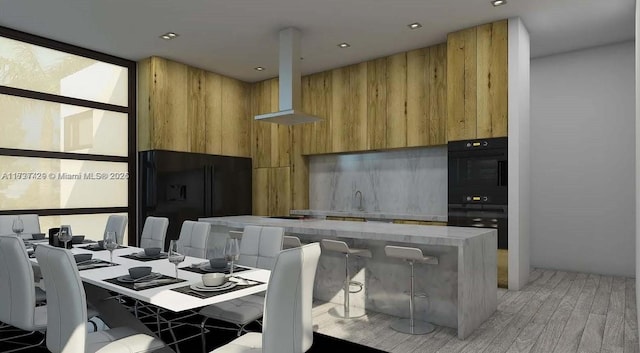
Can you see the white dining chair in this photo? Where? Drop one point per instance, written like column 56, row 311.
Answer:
column 287, row 326
column 194, row 239
column 30, row 221
column 116, row 223
column 17, row 292
column 66, row 302
column 154, row 232
column 259, row 248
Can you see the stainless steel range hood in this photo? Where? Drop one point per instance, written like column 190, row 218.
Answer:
column 290, row 101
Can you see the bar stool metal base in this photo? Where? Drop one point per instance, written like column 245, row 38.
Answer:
column 419, row 327
column 354, row 312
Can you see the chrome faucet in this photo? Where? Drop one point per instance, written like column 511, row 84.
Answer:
column 360, row 208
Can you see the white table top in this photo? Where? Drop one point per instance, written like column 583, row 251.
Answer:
column 162, row 296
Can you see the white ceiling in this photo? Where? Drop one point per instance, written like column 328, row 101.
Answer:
column 232, row 37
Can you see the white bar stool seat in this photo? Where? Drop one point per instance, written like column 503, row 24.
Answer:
column 341, row 247
column 411, row 255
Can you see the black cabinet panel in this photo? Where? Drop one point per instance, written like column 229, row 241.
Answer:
column 186, row 186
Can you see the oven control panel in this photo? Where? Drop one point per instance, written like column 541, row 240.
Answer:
column 477, row 198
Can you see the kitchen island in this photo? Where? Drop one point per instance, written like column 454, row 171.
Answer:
column 461, row 290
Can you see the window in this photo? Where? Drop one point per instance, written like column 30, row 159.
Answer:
column 67, row 143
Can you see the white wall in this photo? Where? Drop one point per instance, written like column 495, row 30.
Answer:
column 583, row 161
column 519, row 152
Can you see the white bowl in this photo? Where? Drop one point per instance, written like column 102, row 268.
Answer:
column 213, row 279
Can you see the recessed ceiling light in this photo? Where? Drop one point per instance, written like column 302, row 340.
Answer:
column 414, row 25
column 259, row 68
column 169, row 36
column 344, row 45
column 497, row 3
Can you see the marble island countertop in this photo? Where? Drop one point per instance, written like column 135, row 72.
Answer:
column 406, row 233
column 370, row 215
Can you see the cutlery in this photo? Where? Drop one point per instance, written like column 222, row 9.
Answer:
column 154, row 283
column 90, row 266
column 198, row 294
column 143, row 278
column 85, row 262
column 200, row 264
column 245, row 280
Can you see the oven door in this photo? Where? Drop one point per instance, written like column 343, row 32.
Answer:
column 481, row 216
column 478, row 173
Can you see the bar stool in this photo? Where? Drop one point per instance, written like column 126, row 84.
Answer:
column 290, row 241
column 341, row 247
column 411, row 255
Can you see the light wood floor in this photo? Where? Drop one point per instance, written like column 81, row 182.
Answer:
column 557, row 312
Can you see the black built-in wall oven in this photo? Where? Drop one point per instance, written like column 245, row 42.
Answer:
column 478, row 185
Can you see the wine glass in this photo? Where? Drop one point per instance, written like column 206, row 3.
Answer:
column 18, row 226
column 110, row 243
column 231, row 252
column 174, row 256
column 65, row 236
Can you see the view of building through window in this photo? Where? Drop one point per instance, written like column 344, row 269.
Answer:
column 64, row 145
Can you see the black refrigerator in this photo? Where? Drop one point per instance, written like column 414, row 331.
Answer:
column 186, row 186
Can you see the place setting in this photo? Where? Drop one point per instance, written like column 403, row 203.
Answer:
column 141, row 278
column 213, row 284
column 87, row 262
column 147, row 254
column 220, row 265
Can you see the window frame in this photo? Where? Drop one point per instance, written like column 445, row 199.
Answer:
column 130, row 110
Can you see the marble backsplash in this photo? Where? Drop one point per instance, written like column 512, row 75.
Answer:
column 410, row 181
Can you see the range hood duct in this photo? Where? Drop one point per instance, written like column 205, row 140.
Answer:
column 290, row 100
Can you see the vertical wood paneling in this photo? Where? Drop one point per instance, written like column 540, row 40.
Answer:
column 396, row 132
column 274, row 128
column 321, row 91
column 261, row 103
column 418, row 97
column 145, row 123
column 169, row 105
column 236, row 128
column 340, row 111
column 358, row 95
column 492, row 93
column 349, row 108
column 213, row 113
column 280, row 134
column 260, row 189
column 437, row 95
column 461, row 84
column 299, row 170
column 196, row 108
column 377, row 103
column 279, row 191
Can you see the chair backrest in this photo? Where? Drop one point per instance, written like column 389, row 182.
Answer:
column 194, row 238
column 116, row 223
column 66, row 301
column 260, row 246
column 287, row 324
column 31, row 224
column 17, row 292
column 289, row 241
column 154, row 232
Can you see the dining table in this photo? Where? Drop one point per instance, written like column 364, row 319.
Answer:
column 173, row 296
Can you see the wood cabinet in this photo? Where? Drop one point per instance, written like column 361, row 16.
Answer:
column 349, row 108
column 477, row 85
column 186, row 109
column 271, row 191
